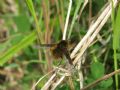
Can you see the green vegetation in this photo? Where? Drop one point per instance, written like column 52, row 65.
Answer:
column 25, row 24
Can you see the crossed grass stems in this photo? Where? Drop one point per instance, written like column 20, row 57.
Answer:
column 79, row 50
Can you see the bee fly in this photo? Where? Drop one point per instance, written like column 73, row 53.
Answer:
column 60, row 49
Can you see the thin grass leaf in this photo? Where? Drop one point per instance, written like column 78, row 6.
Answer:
column 74, row 17
column 116, row 40
column 5, row 57
column 32, row 10
column 116, row 31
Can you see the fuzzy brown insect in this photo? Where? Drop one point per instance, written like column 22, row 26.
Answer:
column 60, row 49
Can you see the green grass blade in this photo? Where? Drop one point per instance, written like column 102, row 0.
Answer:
column 5, row 57
column 32, row 10
column 74, row 17
column 31, row 7
column 116, row 40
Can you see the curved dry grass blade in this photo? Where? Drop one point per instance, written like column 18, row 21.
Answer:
column 49, row 82
column 41, row 79
column 59, row 81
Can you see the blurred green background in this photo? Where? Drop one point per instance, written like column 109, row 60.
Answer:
column 22, row 64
